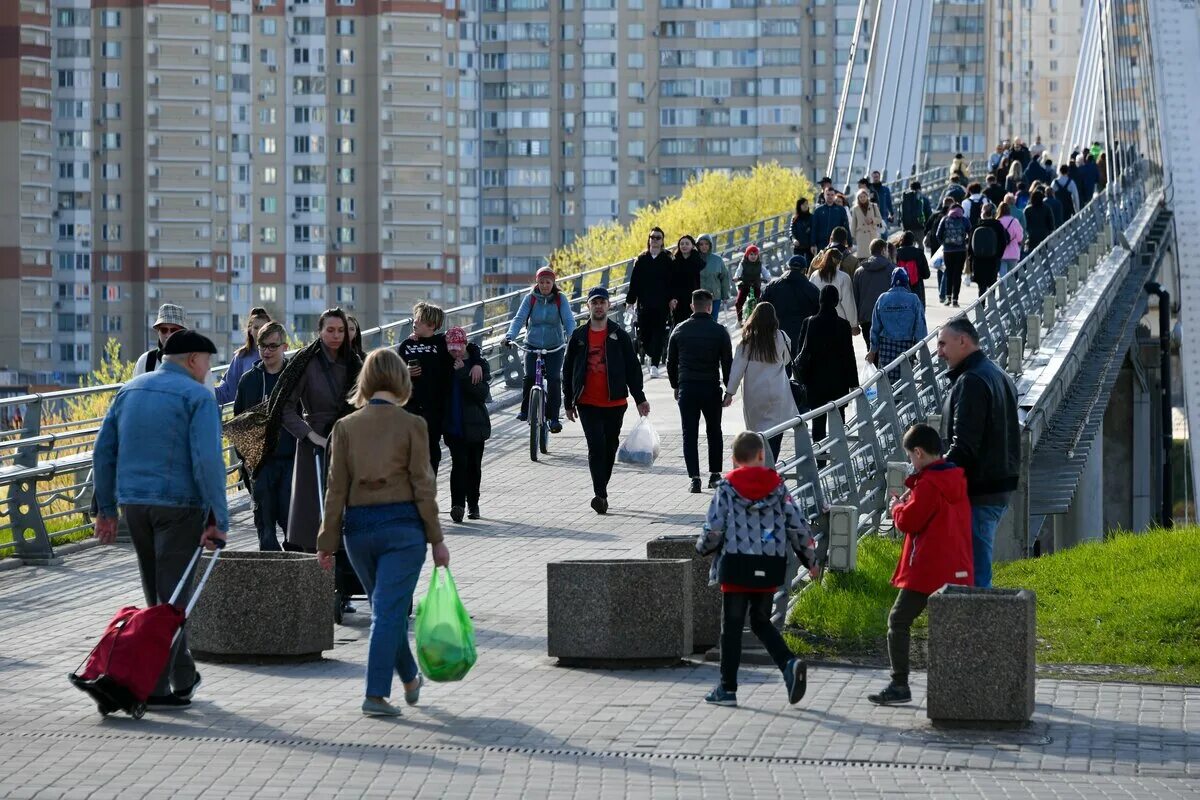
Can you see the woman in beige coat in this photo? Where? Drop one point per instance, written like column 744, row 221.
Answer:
column 866, row 223
column 761, row 361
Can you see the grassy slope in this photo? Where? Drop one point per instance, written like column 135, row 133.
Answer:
column 1132, row 600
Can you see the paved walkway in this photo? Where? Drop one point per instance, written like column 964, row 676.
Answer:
column 521, row 727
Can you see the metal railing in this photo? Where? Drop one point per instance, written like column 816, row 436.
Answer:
column 45, row 466
column 848, row 467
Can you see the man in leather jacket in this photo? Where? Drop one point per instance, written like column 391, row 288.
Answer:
column 980, row 425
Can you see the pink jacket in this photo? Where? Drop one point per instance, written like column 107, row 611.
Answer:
column 1015, row 235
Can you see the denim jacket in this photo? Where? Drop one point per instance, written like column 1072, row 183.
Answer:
column 898, row 316
column 160, row 444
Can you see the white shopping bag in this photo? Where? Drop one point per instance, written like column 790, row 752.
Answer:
column 866, row 371
column 641, row 446
column 938, row 262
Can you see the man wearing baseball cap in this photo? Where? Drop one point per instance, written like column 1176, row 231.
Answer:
column 170, row 485
column 171, row 318
column 600, row 372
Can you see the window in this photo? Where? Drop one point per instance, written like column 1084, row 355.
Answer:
column 110, row 262
column 635, row 60
column 110, row 19
column 268, row 205
column 268, row 264
column 268, row 234
column 345, row 294
column 309, row 292
column 345, row 146
column 111, row 111
column 266, row 144
column 345, row 86
column 344, row 264
column 345, row 235
column 110, row 49
column 345, row 116
column 110, row 80
column 344, row 27
column 345, row 175
column 344, row 55
column 270, row 175
column 266, row 294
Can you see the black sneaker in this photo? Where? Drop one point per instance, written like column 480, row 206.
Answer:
column 600, row 505
column 714, row 478
column 456, row 513
column 695, row 488
column 186, row 694
column 720, row 697
column 894, row 694
column 472, row 510
column 795, row 677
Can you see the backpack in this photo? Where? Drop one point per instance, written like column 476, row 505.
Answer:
column 152, row 359
column 912, row 210
column 984, row 242
column 976, row 212
column 955, row 236
column 914, row 271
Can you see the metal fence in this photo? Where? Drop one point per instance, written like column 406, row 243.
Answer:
column 45, row 466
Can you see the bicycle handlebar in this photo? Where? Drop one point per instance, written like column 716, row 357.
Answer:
column 537, row 351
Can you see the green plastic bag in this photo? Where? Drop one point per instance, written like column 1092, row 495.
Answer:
column 445, row 635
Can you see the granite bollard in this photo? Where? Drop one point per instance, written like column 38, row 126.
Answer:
column 982, row 660
column 706, row 600
column 263, row 606
column 619, row 613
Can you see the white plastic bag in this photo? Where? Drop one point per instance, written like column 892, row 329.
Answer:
column 641, row 446
column 866, row 371
column 938, row 261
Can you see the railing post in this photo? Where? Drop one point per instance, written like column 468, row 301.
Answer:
column 31, row 540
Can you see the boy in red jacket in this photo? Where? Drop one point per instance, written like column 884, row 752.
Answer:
column 935, row 516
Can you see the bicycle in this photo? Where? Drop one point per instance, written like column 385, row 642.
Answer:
column 539, row 427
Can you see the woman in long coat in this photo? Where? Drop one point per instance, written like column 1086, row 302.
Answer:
column 826, row 364
column 761, row 361
column 866, row 223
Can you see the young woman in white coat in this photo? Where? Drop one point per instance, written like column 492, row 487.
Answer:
column 760, row 362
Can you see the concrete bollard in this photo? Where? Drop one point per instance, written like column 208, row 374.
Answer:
column 843, row 538
column 1072, row 279
column 1033, row 330
column 1016, row 354
column 1060, row 290
column 1048, row 303
column 1084, row 265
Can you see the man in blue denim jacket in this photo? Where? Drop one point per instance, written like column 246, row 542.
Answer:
column 158, row 455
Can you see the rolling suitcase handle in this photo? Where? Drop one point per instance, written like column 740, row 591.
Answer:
column 320, row 483
column 187, row 574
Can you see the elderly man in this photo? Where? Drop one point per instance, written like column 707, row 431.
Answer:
column 171, row 318
column 158, row 455
column 979, row 422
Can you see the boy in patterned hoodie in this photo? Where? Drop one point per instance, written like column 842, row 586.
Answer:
column 751, row 522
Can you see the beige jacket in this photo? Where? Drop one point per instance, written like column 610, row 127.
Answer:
column 379, row 455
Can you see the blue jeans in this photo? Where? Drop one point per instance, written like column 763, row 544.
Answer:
column 386, row 545
column 552, row 375
column 1007, row 265
column 270, row 497
column 984, row 521
column 716, row 307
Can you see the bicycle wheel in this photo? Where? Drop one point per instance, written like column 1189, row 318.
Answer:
column 545, row 437
column 537, row 409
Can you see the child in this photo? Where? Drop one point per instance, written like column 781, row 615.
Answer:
column 751, row 522
column 749, row 280
column 429, row 365
column 466, row 423
column 935, row 516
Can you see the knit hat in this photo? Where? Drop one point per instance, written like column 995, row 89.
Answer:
column 597, row 291
column 171, row 314
column 546, row 270
column 797, row 262
column 183, row 342
column 900, row 277
column 752, row 250
column 456, row 336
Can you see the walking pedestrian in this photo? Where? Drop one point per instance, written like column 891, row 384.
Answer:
column 981, row 434
column 1039, row 218
column 794, row 297
column 467, row 423
column 715, row 276
column 684, row 278
column 897, row 323
column 428, row 361
column 170, row 485
column 829, row 215
column 244, row 357
column 699, row 354
column 959, row 167
column 545, row 314
column 914, row 210
column 1066, row 192
column 354, row 334
column 985, row 248
column 752, row 522
column 271, row 487
column 871, row 280
column 826, row 363
column 952, row 234
column 866, row 223
column 802, row 230
column 171, row 319
column 381, row 510
column 1015, row 233
column 749, row 279
column 649, row 294
column 912, row 259
column 826, row 272
column 883, row 196
column 760, row 366
column 600, row 372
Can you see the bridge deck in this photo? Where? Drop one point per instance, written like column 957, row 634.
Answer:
column 520, row 726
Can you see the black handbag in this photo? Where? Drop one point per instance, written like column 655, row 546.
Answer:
column 799, row 395
column 751, row 571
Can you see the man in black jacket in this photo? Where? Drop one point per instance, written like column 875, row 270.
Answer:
column 979, row 421
column 600, row 371
column 795, row 298
column 699, row 356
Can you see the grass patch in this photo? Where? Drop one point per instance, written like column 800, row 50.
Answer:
column 1132, row 600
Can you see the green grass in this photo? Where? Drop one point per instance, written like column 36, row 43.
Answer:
column 1132, row 600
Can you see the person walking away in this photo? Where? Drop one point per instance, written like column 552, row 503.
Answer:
column 684, row 278
column 1039, row 218
column 953, row 233
column 794, row 297
column 914, row 210
column 1056, row 207
column 871, row 281
column 825, row 272
column 600, row 372
column 271, row 487
column 827, row 217
column 955, row 189
column 973, row 206
column 897, row 324
column 866, row 223
column 802, row 230
column 1089, row 179
column 985, row 248
column 467, row 423
column 760, row 366
column 1016, row 210
column 244, row 357
column 545, row 314
column 1016, row 173
column 751, row 523
column 429, row 369
column 959, row 167
column 381, row 510
column 994, row 191
column 171, row 319
column 699, row 355
column 749, row 278
column 826, row 364
column 172, row 497
column 933, row 244
column 1066, row 192
column 1038, row 148
column 649, row 294
column 354, row 334
column 912, row 259
column 1014, row 231
column 981, row 435
column 714, row 278
column 839, row 246
column 883, row 195
column 935, row 518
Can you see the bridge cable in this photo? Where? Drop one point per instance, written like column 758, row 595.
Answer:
column 922, row 155
column 883, row 70
column 900, row 68
column 862, row 99
column 831, row 165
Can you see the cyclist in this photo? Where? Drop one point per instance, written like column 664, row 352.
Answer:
column 545, row 313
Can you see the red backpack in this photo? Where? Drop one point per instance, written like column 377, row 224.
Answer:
column 914, row 271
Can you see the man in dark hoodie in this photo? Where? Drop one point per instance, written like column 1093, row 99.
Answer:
column 914, row 210
column 871, row 280
column 795, row 299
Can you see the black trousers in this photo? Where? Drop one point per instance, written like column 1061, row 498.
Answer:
column 652, row 331
column 734, row 606
column 954, row 272
column 698, row 398
column 602, row 430
column 435, row 442
column 466, row 471
column 905, row 610
column 820, row 425
column 865, row 326
column 270, row 499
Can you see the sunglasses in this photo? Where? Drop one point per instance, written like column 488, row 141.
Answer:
column 656, row 238
column 275, row 346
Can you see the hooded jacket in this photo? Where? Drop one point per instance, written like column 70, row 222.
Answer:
column 871, row 280
column 714, row 277
column 899, row 316
column 752, row 513
column 548, row 319
column 794, row 296
column 936, row 522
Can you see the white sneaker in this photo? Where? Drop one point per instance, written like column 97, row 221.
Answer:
column 654, row 371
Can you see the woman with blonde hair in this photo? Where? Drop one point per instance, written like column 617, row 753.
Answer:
column 761, row 360
column 866, row 223
column 381, row 506
column 244, row 357
column 827, row 271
